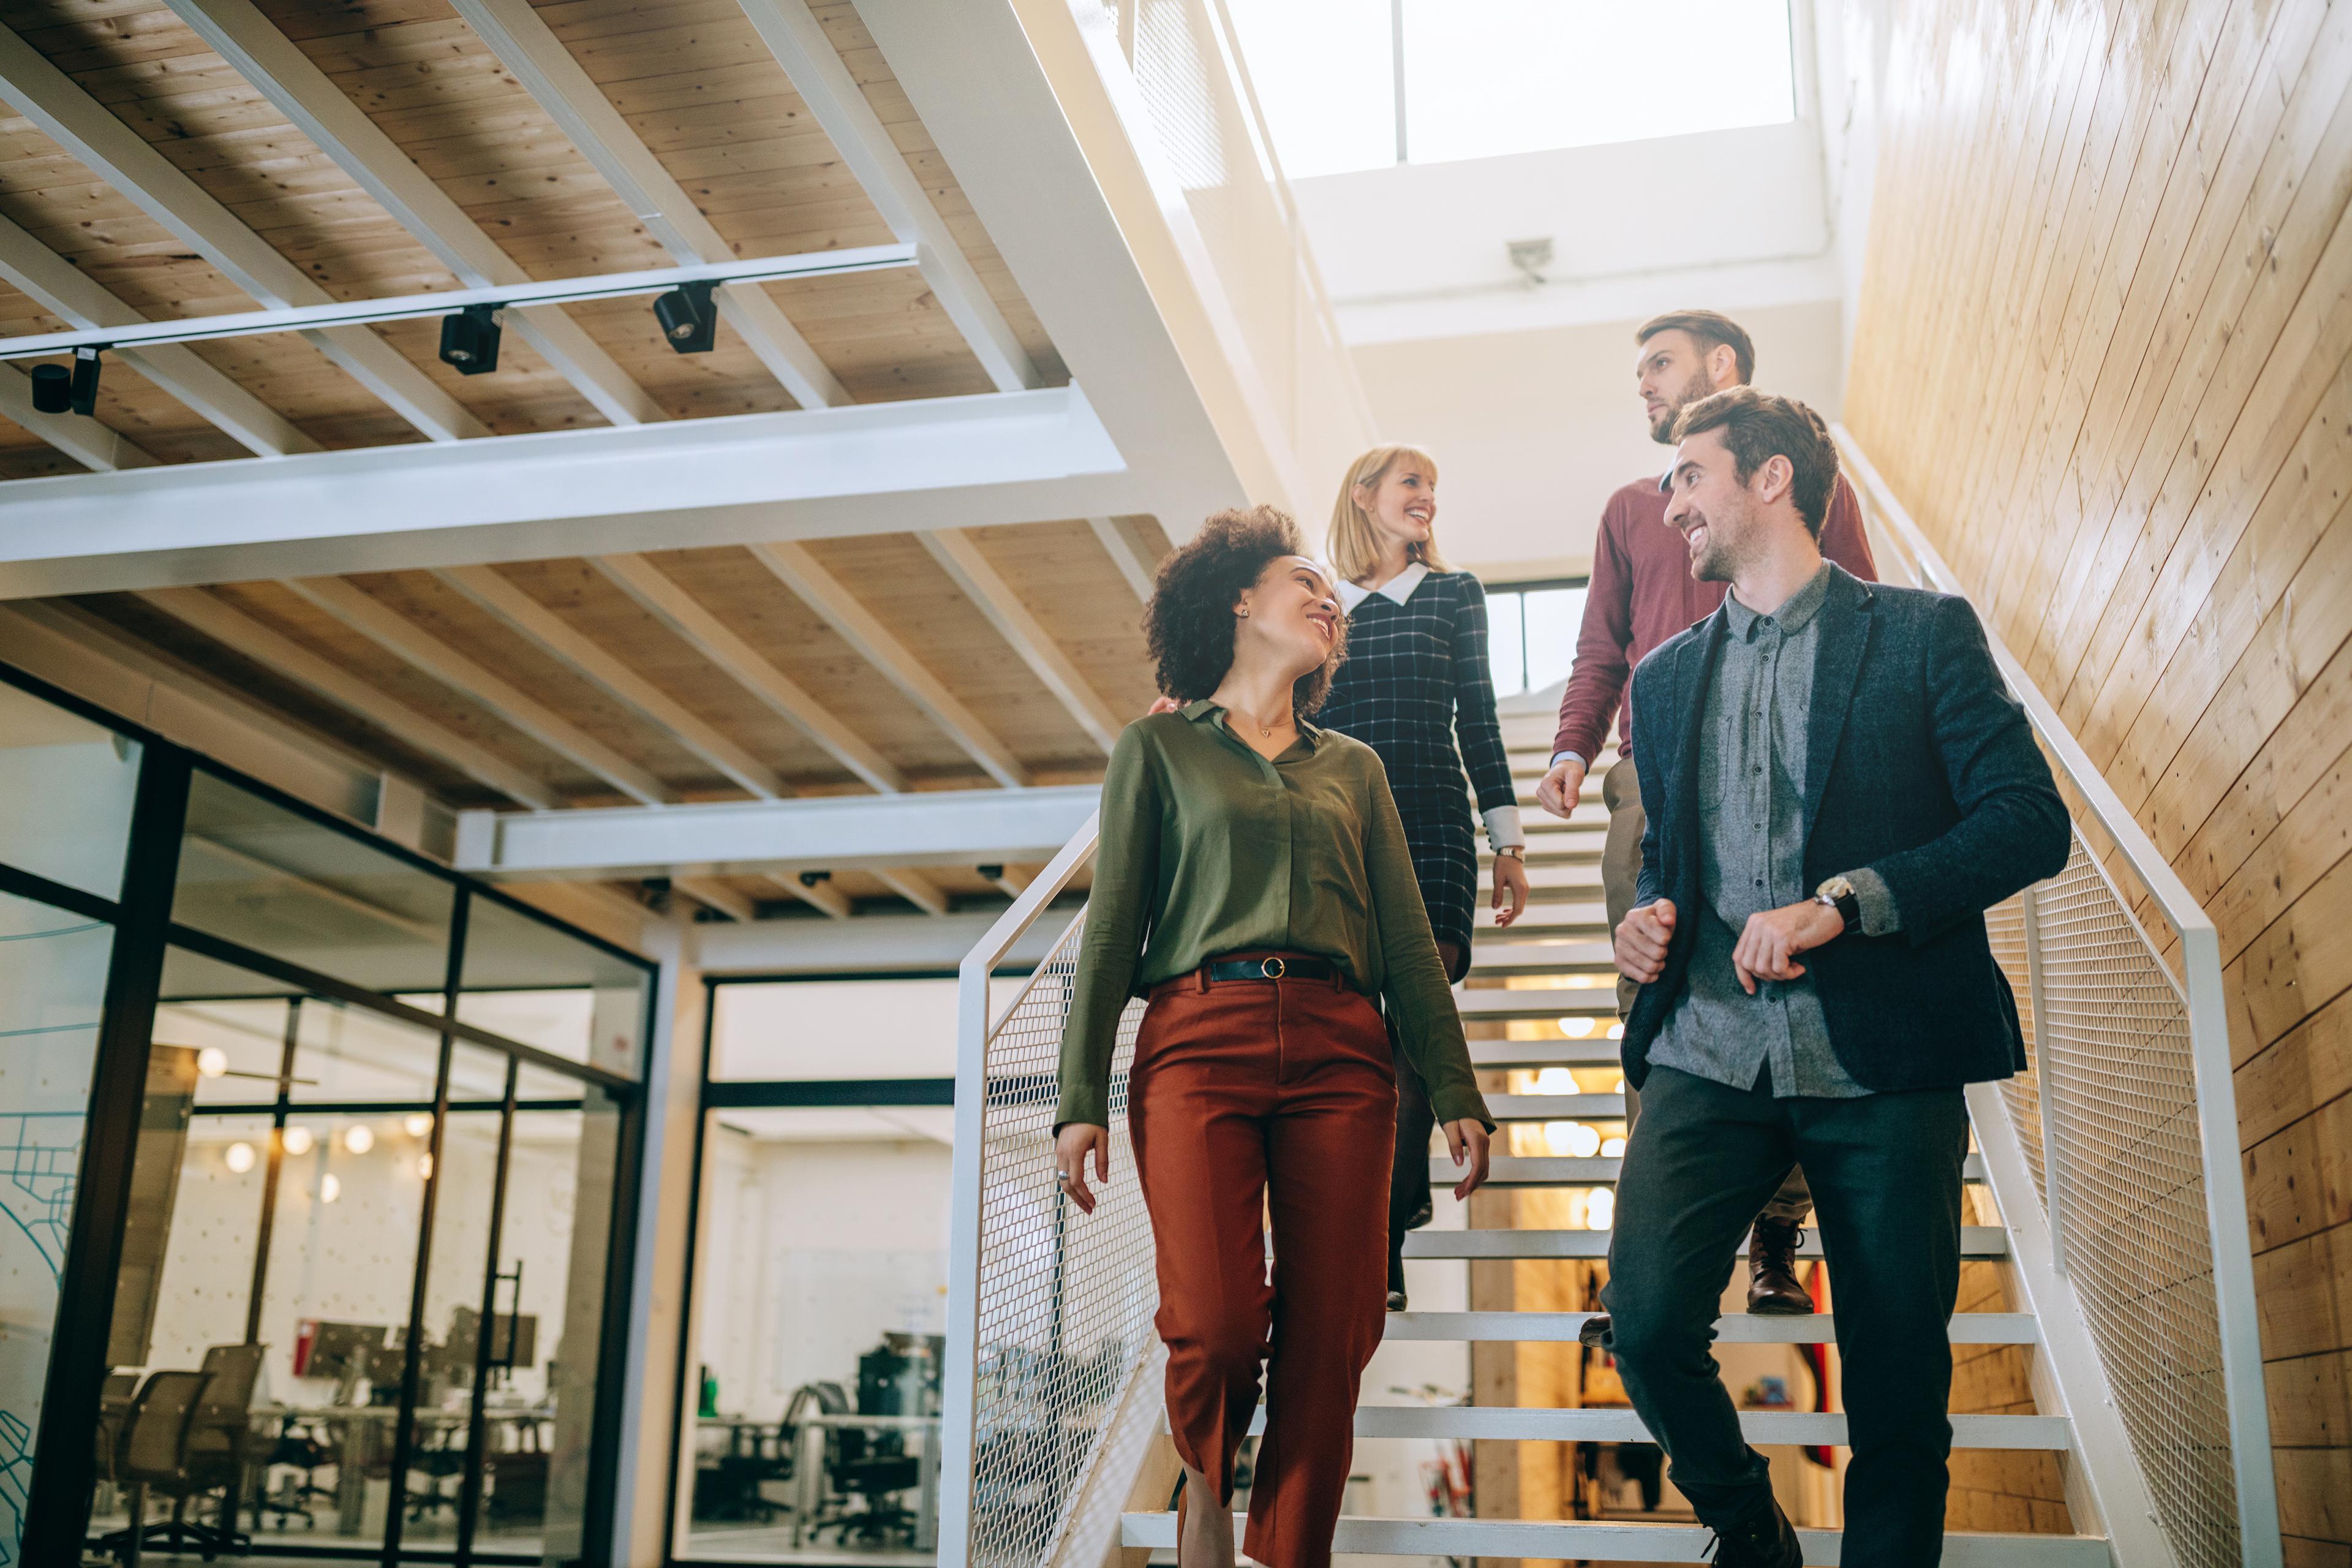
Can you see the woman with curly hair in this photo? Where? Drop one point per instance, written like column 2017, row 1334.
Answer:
column 1253, row 882
column 1416, row 678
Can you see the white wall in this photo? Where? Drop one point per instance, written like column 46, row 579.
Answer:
column 1532, row 430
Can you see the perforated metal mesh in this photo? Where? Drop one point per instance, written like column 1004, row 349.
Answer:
column 1065, row 1300
column 2126, row 1182
column 2005, row 924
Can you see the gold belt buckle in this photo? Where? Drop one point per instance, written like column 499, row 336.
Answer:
column 1272, row 966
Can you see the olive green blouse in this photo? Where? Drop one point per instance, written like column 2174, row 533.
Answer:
column 1209, row 848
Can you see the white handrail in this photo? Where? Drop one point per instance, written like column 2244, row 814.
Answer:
column 2199, row 986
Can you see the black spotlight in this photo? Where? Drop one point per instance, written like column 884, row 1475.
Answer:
column 469, row 339
column 689, row 317
column 52, row 388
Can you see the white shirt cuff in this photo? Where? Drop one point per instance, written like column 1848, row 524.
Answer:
column 1503, row 829
column 1560, row 757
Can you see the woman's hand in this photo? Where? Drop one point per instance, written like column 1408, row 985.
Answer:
column 1467, row 1140
column 1511, row 878
column 1162, row 705
column 1070, row 1160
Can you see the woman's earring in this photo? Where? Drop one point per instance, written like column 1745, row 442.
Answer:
column 1242, row 614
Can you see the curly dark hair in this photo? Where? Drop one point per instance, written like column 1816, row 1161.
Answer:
column 1189, row 624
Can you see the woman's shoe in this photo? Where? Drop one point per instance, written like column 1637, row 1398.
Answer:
column 1396, row 1274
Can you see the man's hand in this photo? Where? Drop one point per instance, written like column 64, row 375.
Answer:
column 1769, row 946
column 1558, row 792
column 1511, row 880
column 1467, row 1140
column 1641, row 939
column 1070, row 1161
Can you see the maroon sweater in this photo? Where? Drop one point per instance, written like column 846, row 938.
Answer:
column 1642, row 593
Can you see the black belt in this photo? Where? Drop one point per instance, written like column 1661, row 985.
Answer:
column 1272, row 966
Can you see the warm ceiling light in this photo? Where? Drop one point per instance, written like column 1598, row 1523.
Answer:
column 417, row 1124
column 689, row 317
column 1616, row 1031
column 212, row 1061
column 1613, row 1147
column 359, row 1138
column 299, row 1139
column 1600, row 1209
column 239, row 1158
column 330, row 1187
column 469, row 339
column 424, row 1166
column 1576, row 1028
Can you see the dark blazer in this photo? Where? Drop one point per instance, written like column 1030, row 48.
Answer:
column 1918, row 764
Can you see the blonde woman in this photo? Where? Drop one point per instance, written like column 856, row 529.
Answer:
column 1416, row 688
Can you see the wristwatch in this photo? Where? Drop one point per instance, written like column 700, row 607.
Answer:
column 1515, row 851
column 1838, row 894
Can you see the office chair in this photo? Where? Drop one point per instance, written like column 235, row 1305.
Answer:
column 187, row 1436
column 299, row 1446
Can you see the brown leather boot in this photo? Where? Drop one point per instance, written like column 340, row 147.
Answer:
column 1772, row 1286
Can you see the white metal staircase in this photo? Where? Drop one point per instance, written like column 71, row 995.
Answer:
column 2112, row 1168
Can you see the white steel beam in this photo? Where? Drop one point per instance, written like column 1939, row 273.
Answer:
column 561, row 640
column 282, row 73
column 960, row 555
column 515, row 33
column 881, row 468
column 687, row 617
column 712, row 895
column 66, row 291
column 798, row 41
column 876, row 943
column 393, row 632
column 98, row 447
column 932, row 827
column 915, row 887
column 125, row 160
column 1124, row 555
column 820, row 895
column 863, row 630
column 234, row 629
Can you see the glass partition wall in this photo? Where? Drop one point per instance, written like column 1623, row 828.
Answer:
column 327, row 1152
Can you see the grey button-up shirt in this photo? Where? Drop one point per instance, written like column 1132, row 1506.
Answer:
column 1752, row 790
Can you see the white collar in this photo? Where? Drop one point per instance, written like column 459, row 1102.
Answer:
column 1397, row 589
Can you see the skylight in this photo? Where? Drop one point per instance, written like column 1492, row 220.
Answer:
column 1486, row 77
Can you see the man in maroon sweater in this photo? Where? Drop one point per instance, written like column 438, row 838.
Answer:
column 1641, row 594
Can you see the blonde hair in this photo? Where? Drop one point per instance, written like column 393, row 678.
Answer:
column 1354, row 542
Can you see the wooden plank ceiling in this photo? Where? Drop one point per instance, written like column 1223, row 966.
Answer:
column 577, row 683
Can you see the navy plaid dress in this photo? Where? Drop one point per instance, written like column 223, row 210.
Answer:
column 1416, row 678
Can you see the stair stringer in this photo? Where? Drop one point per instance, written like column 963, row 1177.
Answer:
column 2106, row 1491
column 1089, row 1532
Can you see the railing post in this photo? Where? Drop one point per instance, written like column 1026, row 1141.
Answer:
column 2044, row 1074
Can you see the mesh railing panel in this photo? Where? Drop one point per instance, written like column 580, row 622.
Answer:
column 1064, row 1299
column 2005, row 924
column 2127, row 1179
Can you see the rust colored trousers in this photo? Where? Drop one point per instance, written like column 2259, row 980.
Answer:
column 1253, row 1099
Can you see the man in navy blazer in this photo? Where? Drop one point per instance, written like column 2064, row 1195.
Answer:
column 1848, row 787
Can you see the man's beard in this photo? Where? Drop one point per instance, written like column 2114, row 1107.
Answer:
column 1662, row 428
column 1715, row 561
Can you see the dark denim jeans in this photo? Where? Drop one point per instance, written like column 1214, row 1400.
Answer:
column 1886, row 1174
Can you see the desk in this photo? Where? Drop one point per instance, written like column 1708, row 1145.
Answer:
column 808, row 1469
column 363, row 1443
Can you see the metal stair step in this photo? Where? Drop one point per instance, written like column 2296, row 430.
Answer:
column 1976, row 1241
column 1555, row 1106
column 1585, row 918
column 1566, row 1170
column 1545, row 955
column 1790, row 1428
column 1557, row 1002
column 1598, row 1051
column 1616, row 1541
column 1733, row 1329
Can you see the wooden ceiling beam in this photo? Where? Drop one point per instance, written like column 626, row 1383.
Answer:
column 526, row 45
column 717, row 896
column 277, row 68
column 1124, row 555
column 88, row 441
column 960, row 556
column 798, row 40
column 692, row 620
column 66, row 292
column 401, row 637
column 915, row 887
column 819, row 895
column 559, row 640
column 119, row 155
column 824, row 592
column 233, row 629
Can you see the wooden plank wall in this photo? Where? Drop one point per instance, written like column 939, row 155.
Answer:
column 2101, row 353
